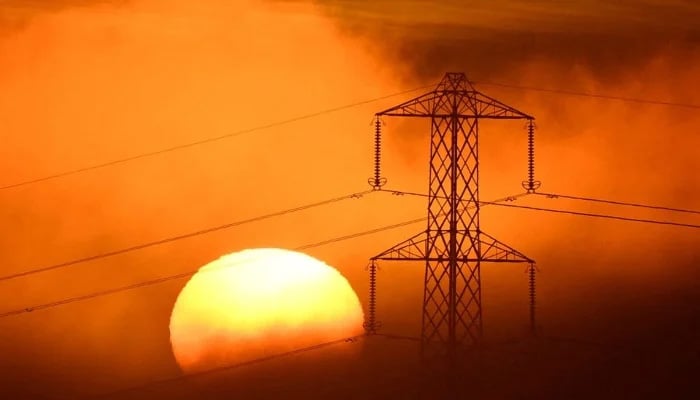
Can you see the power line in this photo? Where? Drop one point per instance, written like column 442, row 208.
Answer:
column 205, row 141
column 97, row 294
column 593, row 95
column 578, row 213
column 363, row 233
column 606, row 216
column 318, row 113
column 187, row 274
column 227, row 367
column 180, row 237
column 184, row 275
column 619, row 203
column 261, row 360
column 319, row 244
column 311, row 348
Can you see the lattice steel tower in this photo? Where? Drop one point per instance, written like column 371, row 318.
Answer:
column 453, row 246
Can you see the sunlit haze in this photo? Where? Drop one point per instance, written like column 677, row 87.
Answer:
column 124, row 122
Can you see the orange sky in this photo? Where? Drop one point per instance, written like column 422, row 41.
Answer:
column 82, row 85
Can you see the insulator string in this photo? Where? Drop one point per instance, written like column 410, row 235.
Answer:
column 532, row 270
column 371, row 325
column 377, row 181
column 531, row 185
column 377, row 150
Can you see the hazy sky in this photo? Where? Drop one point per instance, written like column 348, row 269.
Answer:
column 85, row 82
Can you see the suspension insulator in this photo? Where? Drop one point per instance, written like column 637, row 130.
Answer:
column 371, row 324
column 377, row 181
column 531, row 185
column 532, row 270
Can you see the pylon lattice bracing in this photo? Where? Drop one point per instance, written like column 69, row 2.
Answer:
column 453, row 245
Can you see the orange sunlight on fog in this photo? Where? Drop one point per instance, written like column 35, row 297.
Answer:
column 85, row 85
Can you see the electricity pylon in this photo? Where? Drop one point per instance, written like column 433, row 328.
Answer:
column 453, row 246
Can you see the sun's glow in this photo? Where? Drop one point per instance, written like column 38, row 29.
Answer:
column 260, row 302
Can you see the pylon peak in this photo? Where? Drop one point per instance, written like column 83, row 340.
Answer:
column 455, row 81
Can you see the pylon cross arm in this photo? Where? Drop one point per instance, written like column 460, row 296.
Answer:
column 462, row 101
column 410, row 249
column 493, row 250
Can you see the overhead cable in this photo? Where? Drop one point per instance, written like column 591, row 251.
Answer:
column 226, row 367
column 331, row 110
column 592, row 95
column 204, row 141
column 578, row 213
column 188, row 274
column 179, row 237
column 614, row 202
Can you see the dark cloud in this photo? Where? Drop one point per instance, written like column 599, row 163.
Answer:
column 488, row 38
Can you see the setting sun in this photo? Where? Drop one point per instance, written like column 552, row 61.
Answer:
column 257, row 303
